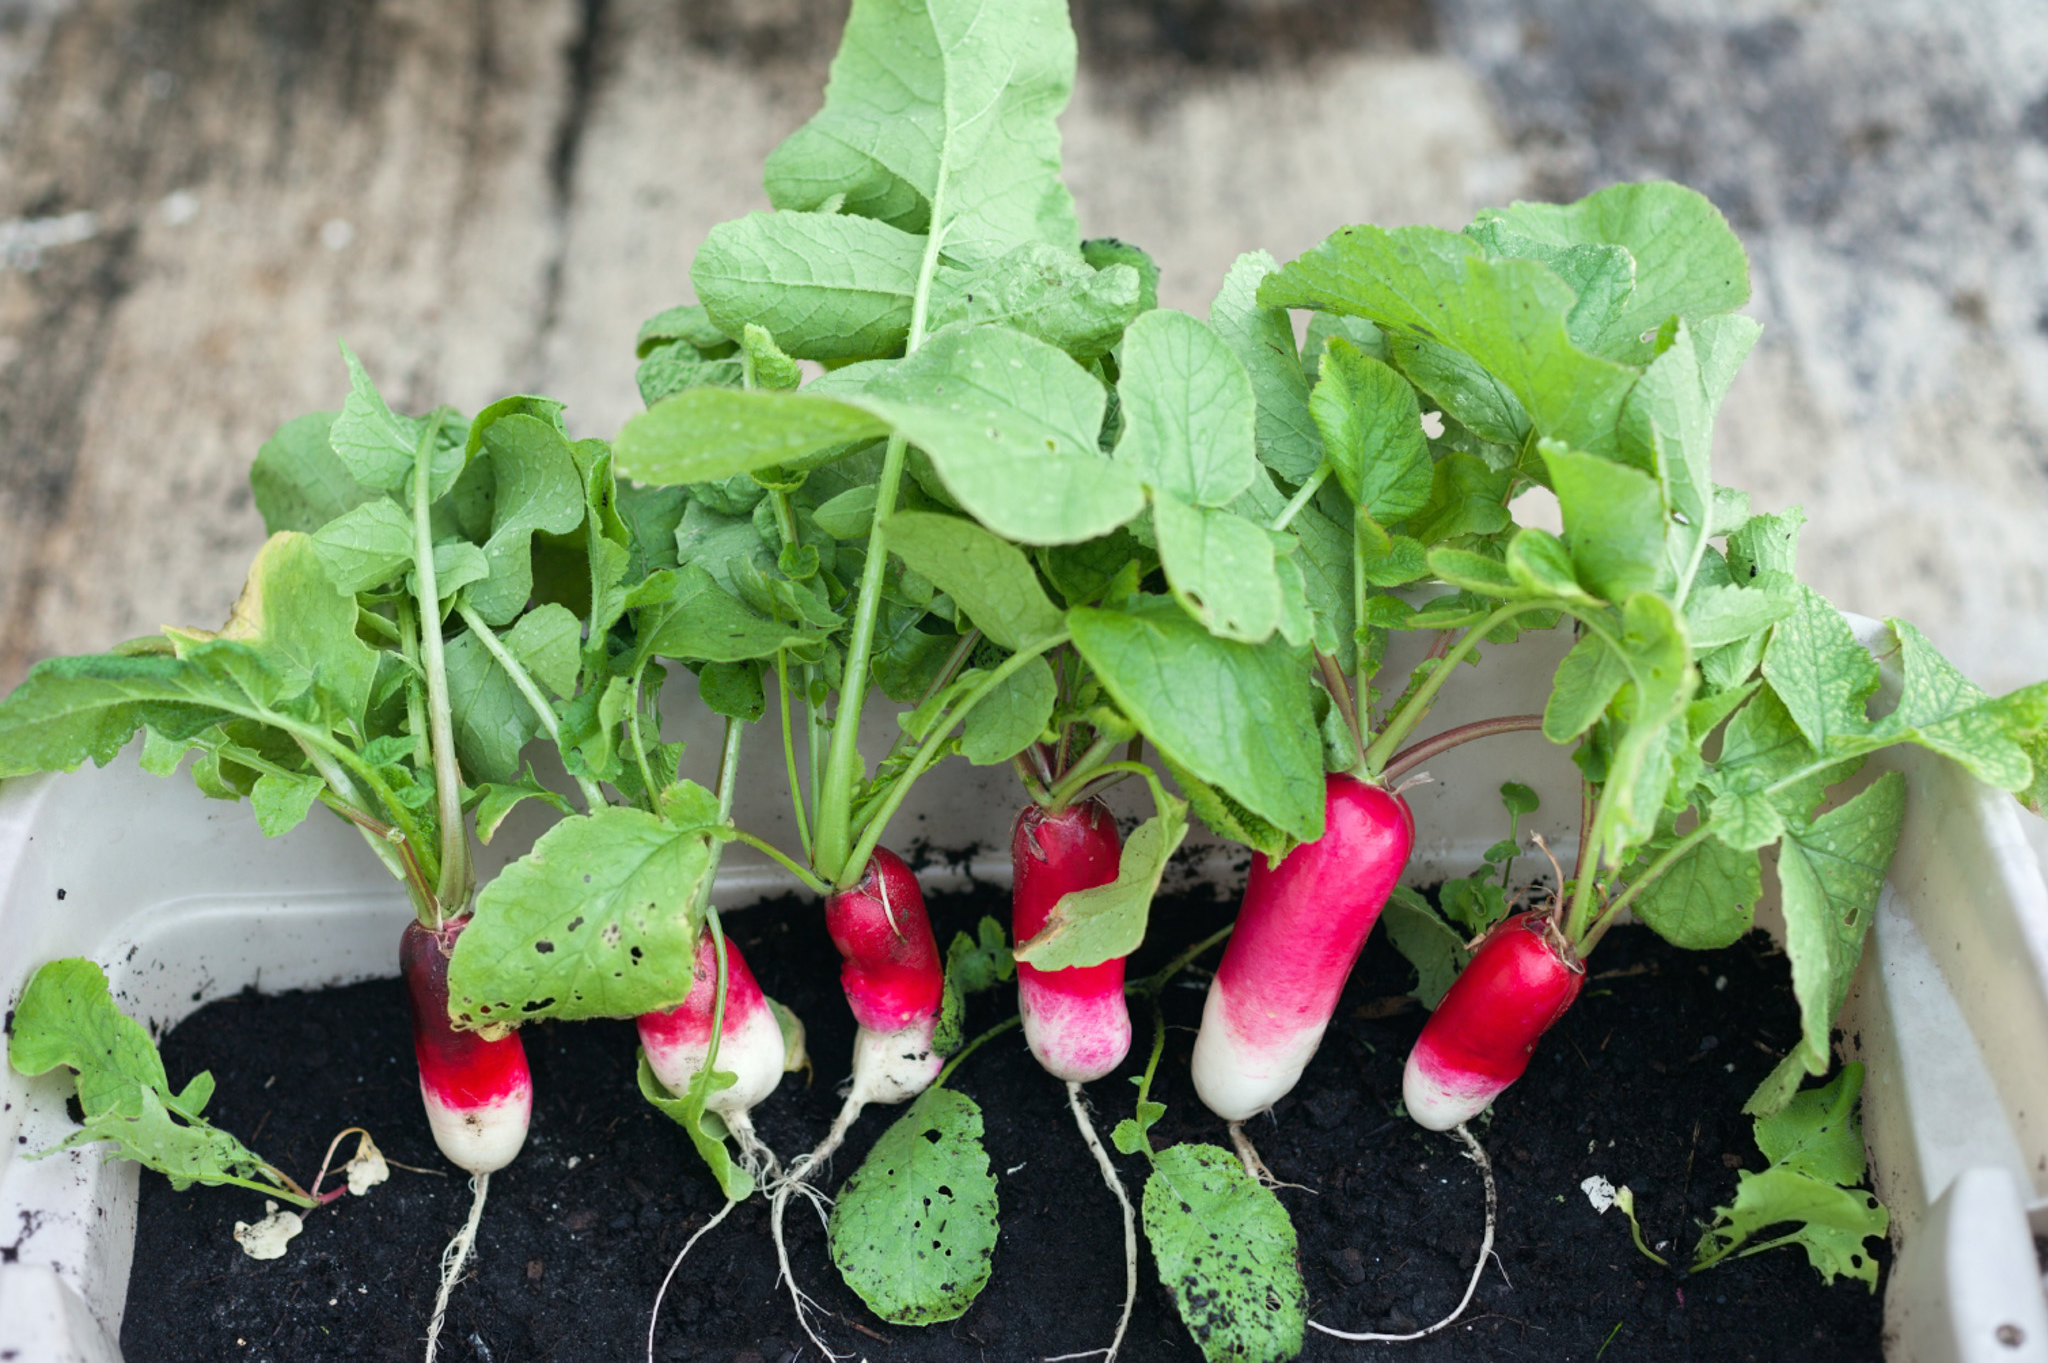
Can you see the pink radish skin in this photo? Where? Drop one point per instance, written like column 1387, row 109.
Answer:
column 1298, row 932
column 477, row 1089
column 1075, row 1020
column 1479, row 1040
column 893, row 980
column 678, row 1039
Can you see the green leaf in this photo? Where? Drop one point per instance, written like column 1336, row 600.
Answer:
column 67, row 1017
column 1465, row 498
column 1372, row 433
column 914, row 1230
column 1045, row 292
column 598, row 920
column 1823, row 676
column 1011, row 426
column 676, row 368
column 1437, row 953
column 1220, row 567
column 1613, row 521
column 281, row 803
column 697, row 622
column 1231, row 821
column 1011, row 717
column 1470, row 396
column 495, row 801
column 299, row 481
column 733, row 690
column 1746, row 820
column 942, row 108
column 705, row 1129
column 1688, row 262
column 1815, row 1145
column 1189, row 413
column 1474, row 903
column 1765, row 544
column 828, row 286
column 292, row 612
column 537, row 488
column 1706, row 899
column 772, row 368
column 1103, row 252
column 1943, row 710
column 708, row 434
column 548, row 642
column 1829, row 875
column 1237, row 716
column 367, row 546
column 376, row 446
column 1717, row 615
column 1518, row 799
column 1506, row 315
column 1227, row 1253
column 1263, row 341
column 688, row 324
column 1588, row 679
column 493, row 721
column 987, row 577
column 1088, row 927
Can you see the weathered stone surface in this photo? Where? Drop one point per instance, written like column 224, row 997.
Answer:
column 489, row 197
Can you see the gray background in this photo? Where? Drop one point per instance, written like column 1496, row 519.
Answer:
column 484, row 197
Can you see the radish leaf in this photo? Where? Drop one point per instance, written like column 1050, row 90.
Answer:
column 914, row 1230
column 1011, row 717
column 1107, row 922
column 1227, row 1253
column 599, row 920
column 706, row 1130
column 1706, row 899
column 1371, row 426
column 1263, row 340
column 1188, row 410
column 1048, row 293
column 705, row 434
column 1221, row 568
column 828, row 286
column 987, row 577
column 1437, row 953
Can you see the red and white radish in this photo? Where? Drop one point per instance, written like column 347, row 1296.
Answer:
column 750, row 1047
column 1075, row 1020
column 476, row 1087
column 1478, row 1041
column 894, row 981
column 1300, row 928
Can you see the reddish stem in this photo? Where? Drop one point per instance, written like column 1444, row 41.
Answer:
column 1415, row 754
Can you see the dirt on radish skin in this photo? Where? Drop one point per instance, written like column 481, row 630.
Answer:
column 571, row 1254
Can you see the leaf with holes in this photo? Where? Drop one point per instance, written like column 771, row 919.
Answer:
column 914, row 1229
column 1227, row 1253
column 598, row 920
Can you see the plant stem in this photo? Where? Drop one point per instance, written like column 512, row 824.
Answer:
column 780, row 858
column 524, row 684
column 453, row 889
column 877, row 820
column 1152, row 985
column 843, row 765
column 960, row 654
column 1403, row 721
column 1080, row 773
column 796, row 790
column 1301, row 498
column 1008, row 1024
column 1416, row 754
column 1340, row 696
column 1615, row 906
column 640, row 744
column 1151, row 1072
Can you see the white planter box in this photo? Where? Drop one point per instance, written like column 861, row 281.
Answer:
column 183, row 901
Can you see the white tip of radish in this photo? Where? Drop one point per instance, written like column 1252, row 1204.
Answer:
column 894, row 1067
column 1237, row 1077
column 481, row 1139
column 1439, row 1098
column 1076, row 1037
column 753, row 1051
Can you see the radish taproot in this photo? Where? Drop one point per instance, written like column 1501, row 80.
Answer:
column 1075, row 1020
column 1520, row 981
column 476, row 1086
column 1300, row 928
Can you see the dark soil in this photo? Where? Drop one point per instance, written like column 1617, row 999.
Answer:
column 1642, row 1083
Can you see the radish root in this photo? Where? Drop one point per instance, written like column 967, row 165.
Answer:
column 688, row 1245
column 1253, row 1165
column 1477, row 1154
column 797, row 1182
column 456, row 1258
column 1116, row 1187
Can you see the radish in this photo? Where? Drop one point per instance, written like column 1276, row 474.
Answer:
column 751, row 1047
column 1301, row 926
column 895, row 982
column 1075, row 1020
column 1478, row 1041
column 477, row 1090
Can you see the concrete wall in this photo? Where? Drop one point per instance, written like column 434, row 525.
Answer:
column 484, row 196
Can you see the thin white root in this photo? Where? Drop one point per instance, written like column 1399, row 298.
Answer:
column 1253, row 1165
column 455, row 1258
column 1116, row 1187
column 654, row 1317
column 792, row 1183
column 755, row 1156
column 1477, row 1154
